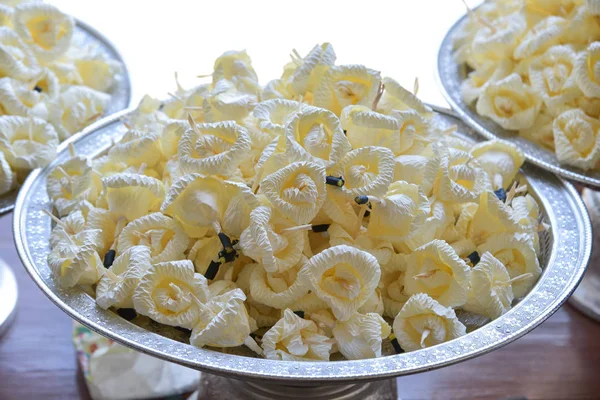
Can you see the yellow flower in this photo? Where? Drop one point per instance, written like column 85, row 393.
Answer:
column 346, row 85
column 423, row 322
column 510, row 103
column 576, row 139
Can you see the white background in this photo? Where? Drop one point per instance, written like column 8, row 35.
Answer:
column 399, row 38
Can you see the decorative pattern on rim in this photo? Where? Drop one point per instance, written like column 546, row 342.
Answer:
column 450, row 74
column 566, row 251
column 85, row 35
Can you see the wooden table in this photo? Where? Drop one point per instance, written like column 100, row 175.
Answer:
column 556, row 361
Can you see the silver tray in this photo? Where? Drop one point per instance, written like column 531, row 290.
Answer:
column 85, row 35
column 450, row 74
column 565, row 253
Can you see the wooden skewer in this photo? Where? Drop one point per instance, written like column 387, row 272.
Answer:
column 378, row 97
column 58, row 221
column 192, row 123
column 174, row 96
column 479, row 19
column 522, row 277
column 416, row 86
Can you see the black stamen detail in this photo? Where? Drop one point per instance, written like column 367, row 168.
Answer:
column 227, row 256
column 345, row 132
column 501, row 194
column 212, row 270
column 299, row 313
column 397, row 347
column 109, row 258
column 367, row 213
column 474, row 258
column 162, row 105
column 335, row 181
column 38, row 89
column 362, row 199
column 127, row 313
column 320, row 228
column 226, row 242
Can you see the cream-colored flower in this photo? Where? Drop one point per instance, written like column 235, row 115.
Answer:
column 366, row 171
column 76, row 108
column 380, row 249
column 296, row 191
column 138, row 147
column 16, row 59
column 44, row 28
column 436, row 269
column 397, row 98
column 518, row 256
column 501, row 161
column 117, row 285
column 233, row 64
column 360, row 337
column 27, row 143
column 346, row 85
column 365, row 127
column 460, row 228
column 165, row 238
column 410, row 168
column 278, row 289
column 500, row 42
column 132, row 196
column 510, row 103
column 316, row 134
column 398, row 214
column 197, row 202
column 344, row 277
column 492, row 216
column 172, row 294
column 98, row 72
column 576, row 139
column 491, row 292
column 17, row 98
column 455, row 176
column 438, row 219
column 552, row 76
column 542, row 36
column 307, row 76
column 147, row 117
column 423, row 322
column 76, row 265
column 8, row 179
column 228, row 102
column 213, row 149
column 275, row 156
column 489, row 72
column 295, row 339
column 224, row 322
column 272, row 116
column 278, row 89
column 267, row 242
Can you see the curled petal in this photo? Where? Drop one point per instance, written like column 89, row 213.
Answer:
column 44, row 28
column 27, row 143
column 501, row 161
column 216, row 148
column 16, row 59
column 360, row 337
column 172, row 294
column 576, row 139
column 296, row 191
column 277, row 290
column 346, row 85
column 308, row 75
column 132, row 196
column 397, row 98
column 510, row 103
column 436, row 269
column 344, row 277
column 542, row 36
column 316, row 133
column 165, row 238
column 489, row 295
column 423, row 322
column 366, row 171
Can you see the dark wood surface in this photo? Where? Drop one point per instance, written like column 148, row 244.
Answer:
column 558, row 360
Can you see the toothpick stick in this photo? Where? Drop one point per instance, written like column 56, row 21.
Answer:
column 175, row 97
column 192, row 123
column 416, row 86
column 520, row 278
column 305, row 227
column 378, row 97
column 58, row 221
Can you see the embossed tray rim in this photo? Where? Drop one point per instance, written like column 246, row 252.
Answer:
column 124, row 86
column 566, row 263
column 545, row 159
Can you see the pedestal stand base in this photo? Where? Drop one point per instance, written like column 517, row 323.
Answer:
column 8, row 296
column 587, row 296
column 214, row 387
